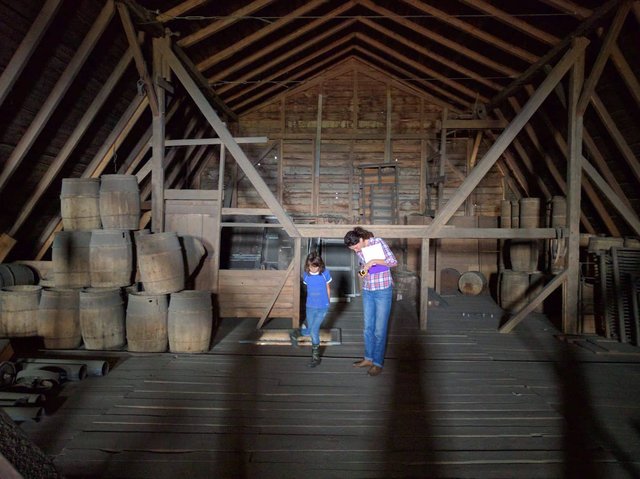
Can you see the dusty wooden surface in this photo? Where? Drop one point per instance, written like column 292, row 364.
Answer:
column 460, row 400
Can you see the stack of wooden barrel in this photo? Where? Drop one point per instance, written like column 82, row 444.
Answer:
column 523, row 267
column 96, row 259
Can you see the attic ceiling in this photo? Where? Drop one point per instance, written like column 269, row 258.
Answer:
column 476, row 57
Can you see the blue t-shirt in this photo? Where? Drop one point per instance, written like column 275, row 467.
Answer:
column 317, row 296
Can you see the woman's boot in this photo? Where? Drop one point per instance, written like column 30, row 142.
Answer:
column 315, row 356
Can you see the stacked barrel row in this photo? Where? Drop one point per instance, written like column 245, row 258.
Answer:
column 92, row 301
column 521, row 277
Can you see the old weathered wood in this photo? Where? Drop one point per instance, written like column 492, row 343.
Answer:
column 574, row 177
column 28, row 45
column 179, row 10
column 55, row 97
column 261, row 33
column 230, row 143
column 6, row 244
column 274, row 298
column 603, row 55
column 507, row 136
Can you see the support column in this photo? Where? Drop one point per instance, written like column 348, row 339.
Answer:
column 157, row 144
column 574, row 176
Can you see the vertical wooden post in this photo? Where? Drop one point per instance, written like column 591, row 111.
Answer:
column 315, row 187
column 215, row 260
column 442, row 161
column 424, row 283
column 297, row 266
column 388, row 127
column 574, row 175
column 157, row 144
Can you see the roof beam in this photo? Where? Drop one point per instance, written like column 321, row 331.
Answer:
column 288, row 54
column 226, row 22
column 440, row 39
column 569, row 7
column 56, row 95
column 598, row 66
column 430, row 54
column 248, row 99
column 513, row 22
column 474, row 31
column 263, row 52
column 28, row 45
column 179, row 9
column 584, row 28
column 507, row 136
column 248, row 40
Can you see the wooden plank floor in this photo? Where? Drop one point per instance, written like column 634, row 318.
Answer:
column 460, row 400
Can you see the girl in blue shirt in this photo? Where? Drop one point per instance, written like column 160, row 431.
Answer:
column 317, row 278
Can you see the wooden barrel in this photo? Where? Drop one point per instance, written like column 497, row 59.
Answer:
column 161, row 263
column 70, row 257
column 146, row 322
column 472, row 283
column 102, row 318
column 136, row 262
column 505, row 214
column 18, row 310
column 190, row 321
column 523, row 255
column 515, row 214
column 529, row 212
column 80, row 204
column 513, row 291
column 59, row 318
column 111, row 258
column 16, row 274
column 558, row 212
column 192, row 252
column 119, row 202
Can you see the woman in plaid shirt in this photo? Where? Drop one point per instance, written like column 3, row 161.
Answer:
column 377, row 293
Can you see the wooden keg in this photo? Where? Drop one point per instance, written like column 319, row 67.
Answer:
column 18, row 309
column 119, row 202
column 472, row 283
column 513, row 290
column 102, row 318
column 16, row 274
column 558, row 212
column 111, row 258
column 190, row 321
column 59, row 318
column 80, row 204
column 70, row 257
column 515, row 214
column 505, row 214
column 529, row 212
column 146, row 322
column 161, row 263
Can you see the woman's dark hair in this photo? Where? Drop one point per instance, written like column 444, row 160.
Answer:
column 314, row 259
column 355, row 235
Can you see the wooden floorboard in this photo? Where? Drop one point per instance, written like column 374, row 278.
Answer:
column 459, row 400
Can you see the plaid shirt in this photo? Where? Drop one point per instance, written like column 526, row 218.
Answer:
column 382, row 280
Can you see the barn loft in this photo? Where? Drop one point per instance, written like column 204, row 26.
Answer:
column 488, row 141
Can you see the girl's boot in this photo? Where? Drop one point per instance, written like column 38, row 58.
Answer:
column 315, row 356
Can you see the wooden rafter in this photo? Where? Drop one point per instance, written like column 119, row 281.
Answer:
column 179, row 9
column 221, row 24
column 456, row 47
column 598, row 66
column 272, row 46
column 513, row 22
column 248, row 40
column 57, row 93
column 28, row 45
column 569, row 7
column 431, row 54
column 245, row 95
column 291, row 53
column 130, row 32
column 476, row 32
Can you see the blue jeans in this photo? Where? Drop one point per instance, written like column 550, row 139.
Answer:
column 377, row 307
column 315, row 316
